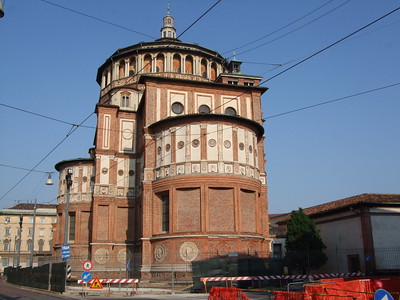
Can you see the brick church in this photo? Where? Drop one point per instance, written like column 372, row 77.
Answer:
column 176, row 173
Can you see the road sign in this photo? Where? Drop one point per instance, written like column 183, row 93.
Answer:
column 65, row 252
column 87, row 265
column 381, row 294
column 86, row 276
column 96, row 284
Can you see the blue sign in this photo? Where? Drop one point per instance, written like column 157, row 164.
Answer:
column 65, row 252
column 382, row 295
column 86, row 276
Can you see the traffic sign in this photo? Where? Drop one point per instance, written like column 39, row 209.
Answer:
column 96, row 284
column 381, row 294
column 65, row 252
column 86, row 276
column 87, row 265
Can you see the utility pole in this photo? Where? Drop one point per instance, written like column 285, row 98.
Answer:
column 19, row 237
column 33, row 235
column 68, row 179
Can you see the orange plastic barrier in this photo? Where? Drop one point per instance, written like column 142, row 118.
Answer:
column 223, row 293
column 356, row 289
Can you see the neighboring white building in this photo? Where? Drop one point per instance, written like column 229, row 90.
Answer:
column 360, row 232
column 43, row 235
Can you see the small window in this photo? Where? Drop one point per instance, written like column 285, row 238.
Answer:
column 248, row 83
column 41, row 232
column 125, row 101
column 232, row 82
column 165, row 213
column 204, row 109
column 230, row 111
column 7, row 231
column 177, row 108
column 72, row 220
column 7, row 220
column 30, row 231
column 42, row 220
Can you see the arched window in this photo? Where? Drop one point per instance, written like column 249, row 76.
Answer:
column 132, row 66
column 160, row 63
column 121, row 73
column 230, row 111
column 189, row 65
column 41, row 245
column 29, row 245
column 213, row 71
column 204, row 109
column 147, row 64
column 177, row 63
column 125, row 99
column 204, row 68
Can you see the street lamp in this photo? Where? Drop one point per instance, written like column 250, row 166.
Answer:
column 68, row 178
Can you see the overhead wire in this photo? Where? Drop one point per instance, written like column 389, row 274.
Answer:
column 277, row 30
column 96, row 18
column 294, row 30
column 74, row 126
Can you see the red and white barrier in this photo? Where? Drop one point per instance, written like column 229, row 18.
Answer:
column 111, row 281
column 311, row 276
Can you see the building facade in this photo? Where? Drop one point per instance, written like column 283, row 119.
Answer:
column 177, row 169
column 359, row 233
column 21, row 233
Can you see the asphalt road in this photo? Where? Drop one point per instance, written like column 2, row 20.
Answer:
column 14, row 292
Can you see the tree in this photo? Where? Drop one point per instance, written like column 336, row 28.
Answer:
column 304, row 246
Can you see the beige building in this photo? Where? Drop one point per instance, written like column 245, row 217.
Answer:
column 36, row 234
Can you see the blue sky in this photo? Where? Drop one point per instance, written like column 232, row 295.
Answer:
column 50, row 55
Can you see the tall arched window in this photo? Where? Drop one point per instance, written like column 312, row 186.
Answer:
column 121, row 73
column 189, row 65
column 147, row 64
column 160, row 63
column 177, row 63
column 132, row 66
column 41, row 245
column 204, row 68
column 213, row 71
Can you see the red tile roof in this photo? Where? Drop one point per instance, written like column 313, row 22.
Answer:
column 348, row 202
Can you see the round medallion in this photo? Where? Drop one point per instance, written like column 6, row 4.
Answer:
column 101, row 255
column 131, row 173
column 212, row 143
column 195, row 143
column 250, row 149
column 83, row 255
column 159, row 150
column 188, row 251
column 127, row 134
column 123, row 255
column 84, row 178
column 223, row 249
column 167, row 147
column 181, row 144
column 241, row 146
column 104, row 170
column 227, row 144
column 160, row 252
column 120, row 172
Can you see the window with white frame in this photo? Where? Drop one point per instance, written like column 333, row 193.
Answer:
column 41, row 231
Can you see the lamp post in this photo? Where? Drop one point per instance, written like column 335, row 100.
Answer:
column 19, row 237
column 68, row 178
column 33, row 235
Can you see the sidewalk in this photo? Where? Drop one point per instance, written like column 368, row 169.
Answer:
column 116, row 292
